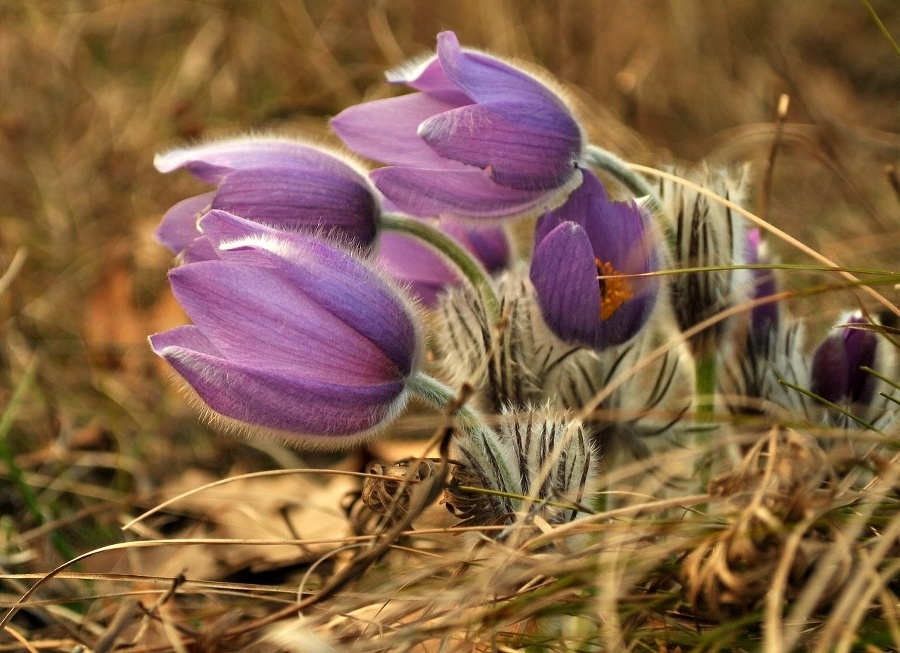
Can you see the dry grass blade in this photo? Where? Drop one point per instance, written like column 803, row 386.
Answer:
column 819, row 584
column 778, row 233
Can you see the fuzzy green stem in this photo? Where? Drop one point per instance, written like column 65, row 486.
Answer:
column 609, row 162
column 441, row 396
column 706, row 367
column 479, row 439
column 444, row 244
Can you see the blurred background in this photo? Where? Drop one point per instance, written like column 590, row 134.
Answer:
column 90, row 90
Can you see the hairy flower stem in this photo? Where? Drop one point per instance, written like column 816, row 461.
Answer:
column 441, row 396
column 457, row 255
column 478, row 435
column 610, row 163
column 706, row 366
column 705, row 387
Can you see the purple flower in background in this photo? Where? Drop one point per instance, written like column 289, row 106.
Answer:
column 836, row 375
column 278, row 182
column 489, row 244
column 582, row 251
column 767, row 351
column 425, row 271
column 765, row 319
column 481, row 138
column 291, row 335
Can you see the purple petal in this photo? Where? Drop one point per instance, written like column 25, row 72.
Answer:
column 211, row 161
column 766, row 318
column 272, row 398
column 296, row 198
column 578, row 207
column 620, row 232
column 200, row 249
column 186, row 337
column 179, row 225
column 415, row 264
column 338, row 287
column 525, row 145
column 247, row 313
column 751, row 246
column 387, row 130
column 425, row 193
column 617, row 230
column 221, row 226
column 487, row 79
column 429, row 77
column 830, row 370
column 565, row 277
column 860, row 345
column 490, row 245
column 619, row 236
column 627, row 242
column 630, row 317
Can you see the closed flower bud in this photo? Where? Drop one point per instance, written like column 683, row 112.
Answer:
column 278, row 182
column 706, row 233
column 767, row 351
column 291, row 336
column 837, row 373
column 506, row 363
column 546, row 461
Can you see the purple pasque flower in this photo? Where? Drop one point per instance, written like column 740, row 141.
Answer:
column 765, row 319
column 426, row 272
column 582, row 251
column 766, row 357
column 291, row 335
column 837, row 363
column 481, row 138
column 279, row 182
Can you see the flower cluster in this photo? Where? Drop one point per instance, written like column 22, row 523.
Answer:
column 323, row 295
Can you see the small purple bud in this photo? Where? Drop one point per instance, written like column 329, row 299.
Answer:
column 836, row 373
column 482, row 138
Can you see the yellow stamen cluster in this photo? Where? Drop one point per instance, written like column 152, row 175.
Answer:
column 615, row 289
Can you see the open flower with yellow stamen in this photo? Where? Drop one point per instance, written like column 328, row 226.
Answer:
column 585, row 253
